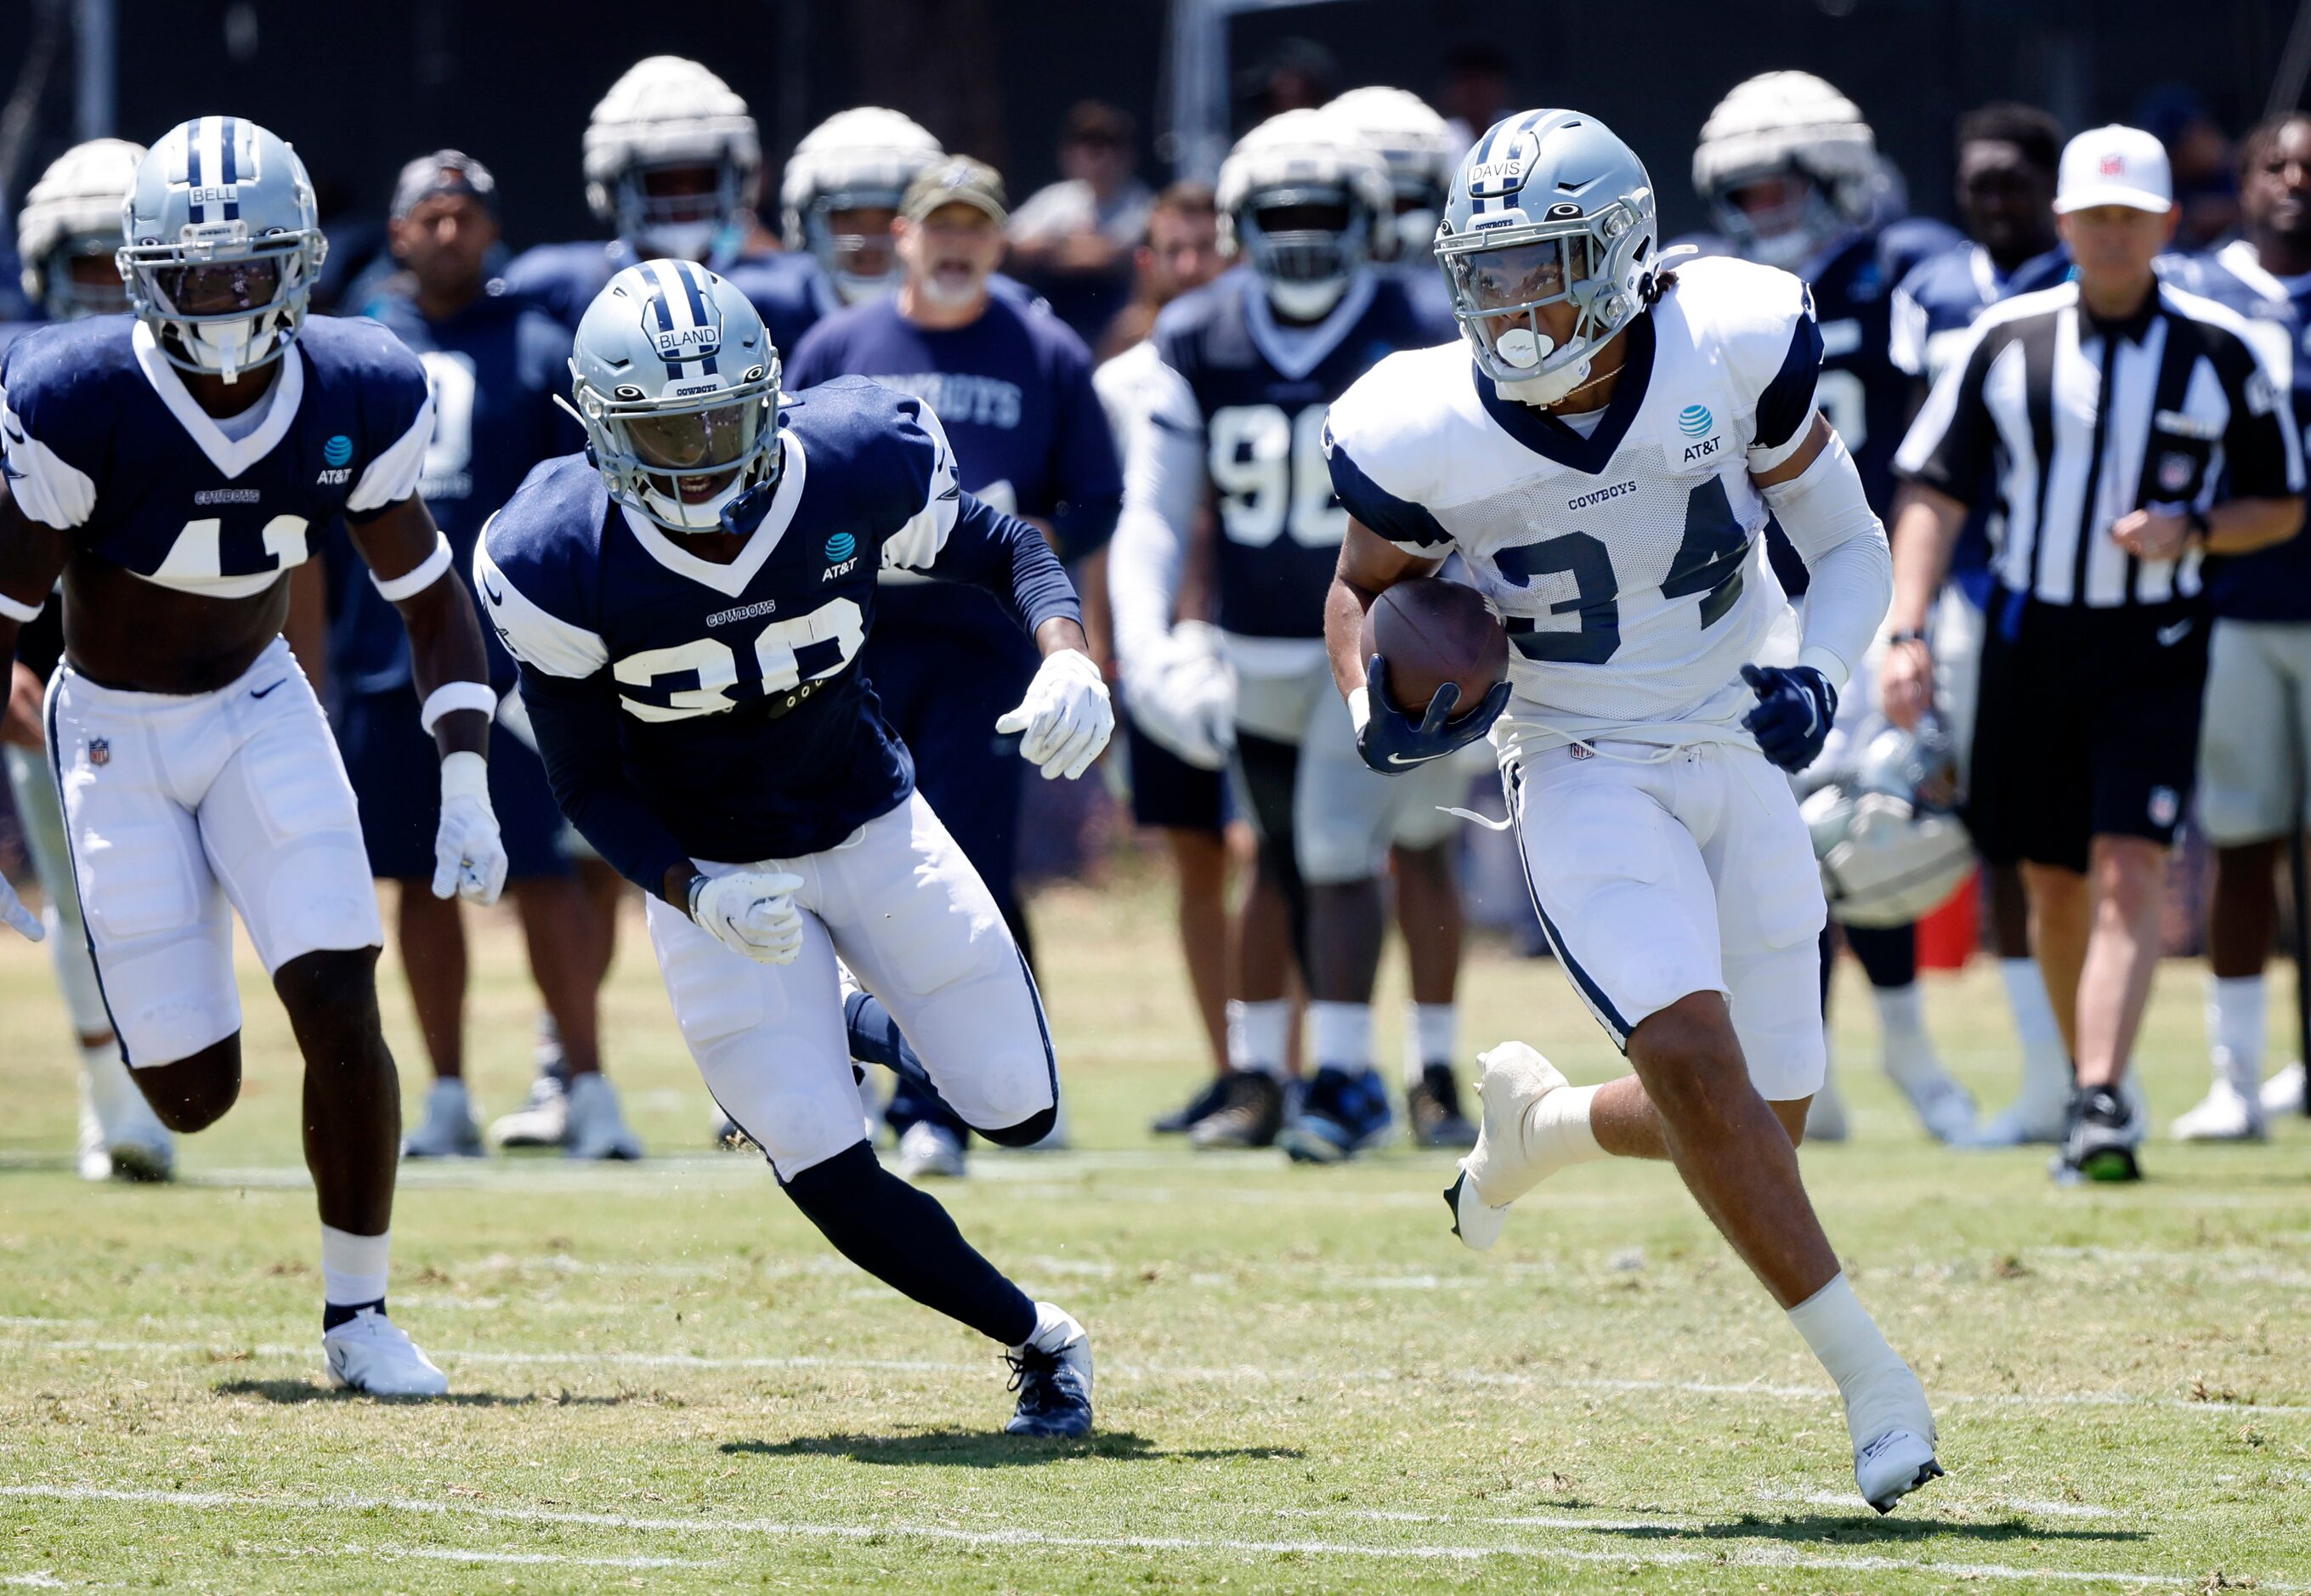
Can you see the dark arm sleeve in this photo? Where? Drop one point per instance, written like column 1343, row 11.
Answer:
column 577, row 727
column 1010, row 558
column 1088, row 470
column 2262, row 456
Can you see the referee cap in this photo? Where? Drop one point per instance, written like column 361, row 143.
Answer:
column 2114, row 166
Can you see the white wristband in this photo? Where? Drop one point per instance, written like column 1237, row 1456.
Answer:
column 410, row 584
column 23, row 615
column 465, row 774
column 1360, row 707
column 451, row 697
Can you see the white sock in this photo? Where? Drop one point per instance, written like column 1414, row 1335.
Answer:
column 1055, row 1329
column 1843, row 1336
column 1340, row 1034
column 1901, row 1012
column 110, row 1090
column 352, row 1267
column 1557, row 1128
column 2239, row 1009
column 2045, row 1061
column 1258, row 1033
column 1432, row 1036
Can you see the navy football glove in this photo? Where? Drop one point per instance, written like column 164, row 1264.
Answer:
column 1794, row 710
column 1392, row 743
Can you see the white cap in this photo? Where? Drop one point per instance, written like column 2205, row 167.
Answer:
column 2114, row 166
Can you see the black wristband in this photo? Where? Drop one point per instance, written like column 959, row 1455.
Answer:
column 1906, row 635
column 2200, row 527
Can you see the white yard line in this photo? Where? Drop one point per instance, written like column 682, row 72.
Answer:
column 225, row 1352
column 1223, row 1545
column 2023, row 1504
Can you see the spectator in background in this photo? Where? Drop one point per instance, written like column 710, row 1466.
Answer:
column 494, row 364
column 1073, row 241
column 1180, row 250
column 2198, row 152
column 1474, row 93
column 1011, row 386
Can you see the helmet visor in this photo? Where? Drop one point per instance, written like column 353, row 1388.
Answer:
column 219, row 287
column 1522, row 276
column 697, row 440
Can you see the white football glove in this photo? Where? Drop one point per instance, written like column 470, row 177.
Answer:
column 751, row 912
column 1066, row 716
column 469, row 856
column 1185, row 699
column 13, row 911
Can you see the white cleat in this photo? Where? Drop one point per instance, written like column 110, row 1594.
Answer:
column 1893, row 1432
column 1502, row 1168
column 544, row 1122
column 2226, row 1115
column 1944, row 1107
column 120, row 1136
column 370, row 1354
column 930, row 1152
column 447, row 1130
column 2019, row 1123
column 596, row 1125
column 2283, row 1094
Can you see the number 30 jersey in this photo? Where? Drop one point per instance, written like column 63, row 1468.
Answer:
column 103, row 440
column 1626, row 562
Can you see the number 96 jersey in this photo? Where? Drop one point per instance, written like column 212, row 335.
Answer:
column 1626, row 560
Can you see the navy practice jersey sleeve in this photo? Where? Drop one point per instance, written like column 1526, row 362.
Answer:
column 576, row 724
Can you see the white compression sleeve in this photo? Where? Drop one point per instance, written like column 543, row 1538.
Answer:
column 1163, row 488
column 1834, row 531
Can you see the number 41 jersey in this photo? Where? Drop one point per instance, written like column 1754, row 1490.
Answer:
column 104, row 441
column 1626, row 562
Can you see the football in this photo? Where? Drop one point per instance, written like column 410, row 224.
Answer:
column 1432, row 632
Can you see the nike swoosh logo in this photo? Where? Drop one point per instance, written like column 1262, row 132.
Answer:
column 490, row 593
column 955, row 492
column 1399, row 759
column 2168, row 636
column 261, row 691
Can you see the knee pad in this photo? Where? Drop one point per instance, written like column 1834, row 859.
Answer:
column 1027, row 1132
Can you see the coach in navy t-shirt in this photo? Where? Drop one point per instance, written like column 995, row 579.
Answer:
column 1013, row 385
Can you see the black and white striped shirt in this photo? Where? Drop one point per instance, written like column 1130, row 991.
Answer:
column 2070, row 422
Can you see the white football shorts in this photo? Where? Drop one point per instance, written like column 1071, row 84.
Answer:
column 899, row 903
column 176, row 805
column 1692, row 874
column 2256, row 732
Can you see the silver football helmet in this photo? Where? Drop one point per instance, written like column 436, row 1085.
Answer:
column 73, row 213
column 677, row 384
column 857, row 160
column 1891, row 847
column 222, row 243
column 1420, row 154
column 668, row 115
column 1793, row 126
column 1308, row 203
column 1550, row 206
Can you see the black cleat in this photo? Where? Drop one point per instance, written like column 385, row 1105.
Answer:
column 1433, row 1106
column 2101, row 1142
column 1205, row 1103
column 1054, row 1391
column 1251, row 1112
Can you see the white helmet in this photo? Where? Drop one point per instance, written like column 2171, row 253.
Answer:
column 1890, row 848
column 666, row 112
column 74, row 210
column 1787, row 124
column 1305, row 160
column 857, row 160
column 1418, row 150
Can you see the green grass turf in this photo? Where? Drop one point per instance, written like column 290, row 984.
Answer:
column 664, row 1380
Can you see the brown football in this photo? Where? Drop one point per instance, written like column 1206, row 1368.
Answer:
column 1432, row 632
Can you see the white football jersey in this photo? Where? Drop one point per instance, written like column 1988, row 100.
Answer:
column 1626, row 562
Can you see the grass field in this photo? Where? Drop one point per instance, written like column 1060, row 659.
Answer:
column 664, row 1380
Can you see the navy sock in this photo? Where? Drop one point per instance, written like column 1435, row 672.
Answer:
column 334, row 1314
column 875, row 1037
column 905, row 1239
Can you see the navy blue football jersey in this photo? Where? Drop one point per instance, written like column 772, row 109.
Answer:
column 790, row 290
column 691, row 709
column 1867, row 397
column 2272, row 584
column 493, row 369
column 1260, row 391
column 102, row 440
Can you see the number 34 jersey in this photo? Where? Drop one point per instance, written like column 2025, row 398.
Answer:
column 103, row 440
column 1625, row 561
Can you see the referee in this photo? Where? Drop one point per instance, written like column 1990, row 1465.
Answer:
column 2128, row 432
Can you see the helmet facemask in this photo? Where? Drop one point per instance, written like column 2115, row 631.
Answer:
column 1502, row 278
column 65, row 295
column 1306, row 242
column 219, row 301
column 666, row 210
column 1784, row 229
column 686, row 462
column 863, row 260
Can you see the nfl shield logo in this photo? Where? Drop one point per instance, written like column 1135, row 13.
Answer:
column 100, row 751
column 2114, row 166
column 2174, row 472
